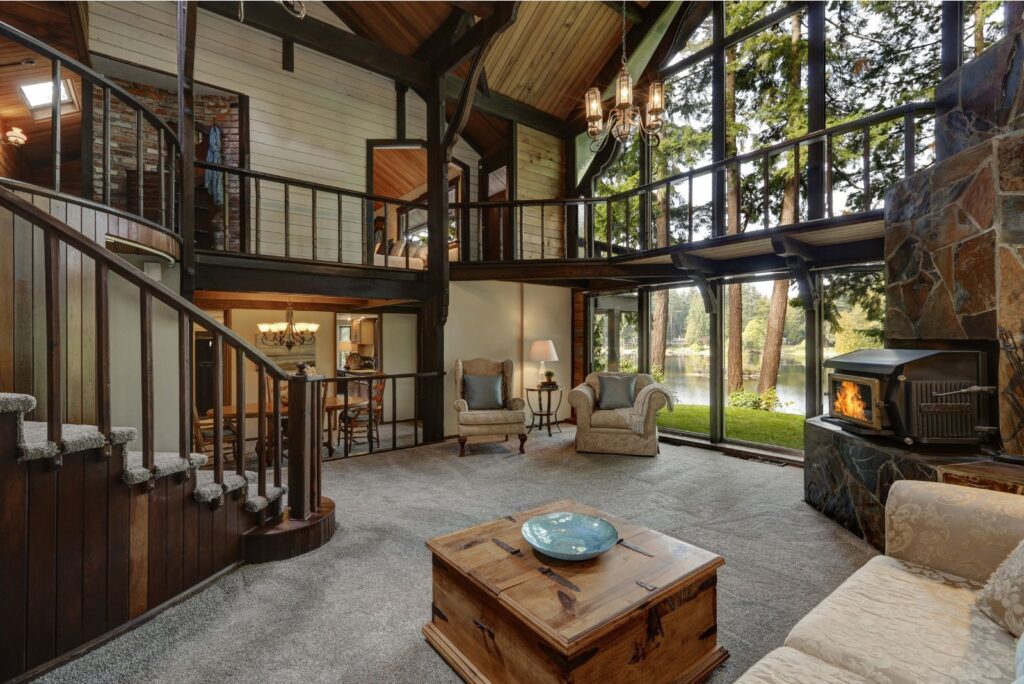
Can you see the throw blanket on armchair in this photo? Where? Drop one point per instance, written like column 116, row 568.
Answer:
column 643, row 397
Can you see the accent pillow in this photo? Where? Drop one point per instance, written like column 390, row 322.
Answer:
column 483, row 392
column 616, row 391
column 398, row 249
column 1002, row 597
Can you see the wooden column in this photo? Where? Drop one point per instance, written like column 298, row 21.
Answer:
column 813, row 357
column 303, row 443
column 187, row 141
column 716, row 430
column 816, row 190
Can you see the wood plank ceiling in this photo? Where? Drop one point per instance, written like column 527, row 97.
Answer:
column 399, row 171
column 546, row 59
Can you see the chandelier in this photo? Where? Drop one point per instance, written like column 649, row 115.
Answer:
column 288, row 333
column 625, row 118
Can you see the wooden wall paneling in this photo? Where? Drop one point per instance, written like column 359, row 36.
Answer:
column 70, row 506
column 190, row 535
column 138, row 577
column 94, row 554
column 38, row 325
column 73, row 310
column 14, row 532
column 42, row 563
column 24, row 375
column 205, row 542
column 232, row 538
column 157, row 544
column 540, row 174
column 218, row 542
column 175, row 536
column 89, row 413
column 118, row 542
column 7, row 328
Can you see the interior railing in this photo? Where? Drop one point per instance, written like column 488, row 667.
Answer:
column 859, row 161
column 271, row 413
column 155, row 152
column 271, row 215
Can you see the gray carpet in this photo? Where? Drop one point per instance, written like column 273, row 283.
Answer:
column 352, row 611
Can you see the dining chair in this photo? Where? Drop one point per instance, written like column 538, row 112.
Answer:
column 362, row 419
column 203, row 434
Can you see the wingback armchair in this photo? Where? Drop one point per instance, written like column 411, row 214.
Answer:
column 630, row 430
column 508, row 420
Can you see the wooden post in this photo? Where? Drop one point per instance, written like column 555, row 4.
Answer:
column 187, row 141
column 303, row 443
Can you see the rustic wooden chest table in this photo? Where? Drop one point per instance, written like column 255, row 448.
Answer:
column 645, row 611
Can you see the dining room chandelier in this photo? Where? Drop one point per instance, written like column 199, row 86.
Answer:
column 625, row 118
column 288, row 333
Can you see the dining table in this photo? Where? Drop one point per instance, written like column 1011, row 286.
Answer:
column 332, row 407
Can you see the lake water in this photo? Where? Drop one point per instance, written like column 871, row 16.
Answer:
column 686, row 375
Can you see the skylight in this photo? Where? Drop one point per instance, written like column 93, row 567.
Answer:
column 40, row 94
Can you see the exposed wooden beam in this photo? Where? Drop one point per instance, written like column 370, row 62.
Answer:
column 479, row 9
column 329, row 40
column 477, row 36
column 634, row 12
column 453, row 25
column 78, row 12
column 465, row 105
column 186, row 48
column 506, row 108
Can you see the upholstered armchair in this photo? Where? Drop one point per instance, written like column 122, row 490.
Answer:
column 631, row 430
column 509, row 419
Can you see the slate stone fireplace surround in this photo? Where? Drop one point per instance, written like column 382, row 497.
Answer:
column 954, row 253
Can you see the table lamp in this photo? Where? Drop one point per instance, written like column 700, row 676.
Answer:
column 542, row 351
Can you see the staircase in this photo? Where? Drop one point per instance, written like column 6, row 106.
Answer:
column 96, row 534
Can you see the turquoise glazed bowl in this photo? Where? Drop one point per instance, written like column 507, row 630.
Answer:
column 570, row 536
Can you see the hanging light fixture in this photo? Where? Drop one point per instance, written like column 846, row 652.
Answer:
column 288, row 333
column 15, row 137
column 625, row 118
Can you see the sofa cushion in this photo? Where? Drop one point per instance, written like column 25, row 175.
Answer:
column 789, row 666
column 483, row 392
column 616, row 419
column 1002, row 598
column 617, row 392
column 500, row 417
column 894, row 621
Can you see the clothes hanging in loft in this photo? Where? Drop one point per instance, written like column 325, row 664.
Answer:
column 214, row 180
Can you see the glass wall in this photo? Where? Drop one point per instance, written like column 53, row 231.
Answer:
column 680, row 357
column 614, row 332
column 765, row 375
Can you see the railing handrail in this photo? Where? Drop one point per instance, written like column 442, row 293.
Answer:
column 309, row 185
column 88, row 74
column 47, row 222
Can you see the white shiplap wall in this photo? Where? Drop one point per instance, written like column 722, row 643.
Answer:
column 310, row 124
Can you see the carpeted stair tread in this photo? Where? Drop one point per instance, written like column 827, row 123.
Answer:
column 16, row 403
column 255, row 503
column 164, row 463
column 33, row 443
column 207, row 490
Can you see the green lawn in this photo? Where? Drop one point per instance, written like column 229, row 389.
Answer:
column 749, row 425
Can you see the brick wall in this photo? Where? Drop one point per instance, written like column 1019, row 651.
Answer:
column 209, row 110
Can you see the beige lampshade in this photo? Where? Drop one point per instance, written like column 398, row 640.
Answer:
column 346, row 346
column 543, row 350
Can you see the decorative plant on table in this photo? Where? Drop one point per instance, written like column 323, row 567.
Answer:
column 549, row 377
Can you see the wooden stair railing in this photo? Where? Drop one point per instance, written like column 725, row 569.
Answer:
column 302, row 412
column 161, row 135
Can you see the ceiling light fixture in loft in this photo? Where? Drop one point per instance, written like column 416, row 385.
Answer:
column 296, row 8
column 625, row 118
column 15, row 137
column 288, row 333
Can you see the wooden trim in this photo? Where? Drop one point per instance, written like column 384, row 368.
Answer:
column 289, row 538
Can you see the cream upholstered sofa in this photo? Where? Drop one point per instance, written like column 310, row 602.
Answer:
column 909, row 616
column 510, row 420
column 618, row 431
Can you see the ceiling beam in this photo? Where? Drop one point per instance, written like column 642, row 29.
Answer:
column 479, row 34
column 329, row 40
column 453, row 25
column 634, row 12
column 506, row 108
column 465, row 105
column 479, row 9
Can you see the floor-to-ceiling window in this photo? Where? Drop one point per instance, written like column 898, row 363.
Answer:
column 614, row 332
column 680, row 356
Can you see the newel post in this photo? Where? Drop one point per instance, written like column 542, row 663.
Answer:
column 304, row 443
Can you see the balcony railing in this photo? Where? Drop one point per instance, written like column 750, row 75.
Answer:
column 262, row 214
column 857, row 162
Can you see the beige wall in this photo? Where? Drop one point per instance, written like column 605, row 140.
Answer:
column 398, row 351
column 500, row 320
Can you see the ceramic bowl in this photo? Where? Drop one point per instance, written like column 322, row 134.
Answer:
column 570, row 536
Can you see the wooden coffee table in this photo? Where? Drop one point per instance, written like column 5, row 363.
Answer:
column 645, row 611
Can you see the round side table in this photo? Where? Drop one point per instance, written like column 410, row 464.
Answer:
column 544, row 414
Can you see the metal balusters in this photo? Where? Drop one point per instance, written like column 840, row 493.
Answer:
column 565, row 234
column 519, row 227
column 160, row 169
column 828, row 173
column 184, row 384
column 146, row 321
column 256, row 182
column 55, row 106
column 106, row 146
column 609, row 226
column 240, row 412
column 394, row 415
column 341, row 207
column 764, row 199
column 796, row 177
column 909, row 143
column 172, row 225
column 666, row 209
column 54, row 353
column 218, row 408
column 287, row 224
column 261, row 431
column 103, row 418
column 866, row 168
column 345, row 416
column 140, row 161
column 278, row 432
column 689, row 209
column 313, row 219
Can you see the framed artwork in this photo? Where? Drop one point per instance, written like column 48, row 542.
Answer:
column 288, row 359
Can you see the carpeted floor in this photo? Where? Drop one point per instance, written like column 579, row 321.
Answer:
column 352, row 611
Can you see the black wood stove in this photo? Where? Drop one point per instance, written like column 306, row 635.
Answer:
column 919, row 396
